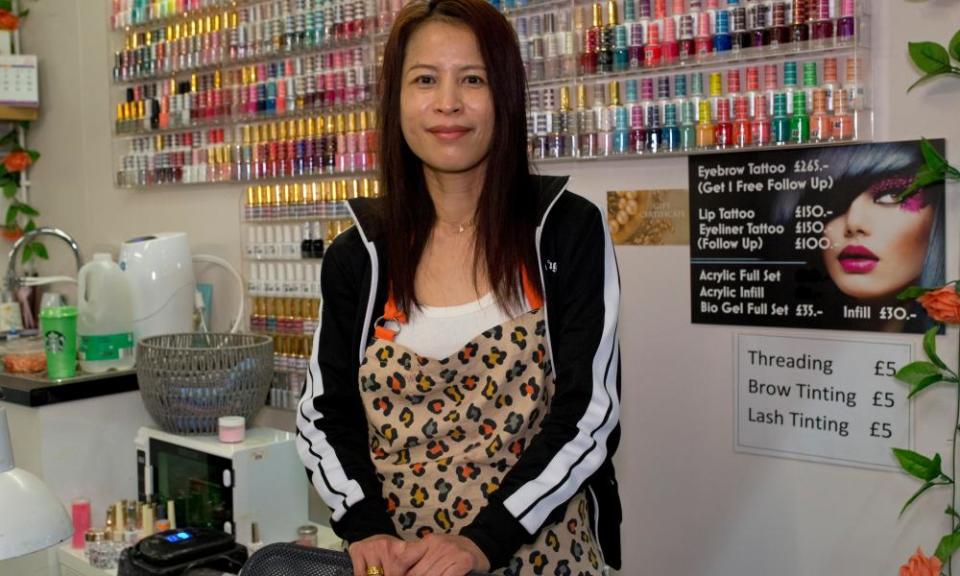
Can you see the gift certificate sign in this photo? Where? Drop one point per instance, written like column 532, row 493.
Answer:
column 814, row 238
column 831, row 401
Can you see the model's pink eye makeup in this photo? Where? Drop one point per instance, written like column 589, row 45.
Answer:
column 887, row 191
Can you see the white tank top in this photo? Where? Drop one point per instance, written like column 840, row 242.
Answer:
column 440, row 331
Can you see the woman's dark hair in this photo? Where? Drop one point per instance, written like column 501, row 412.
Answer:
column 506, row 212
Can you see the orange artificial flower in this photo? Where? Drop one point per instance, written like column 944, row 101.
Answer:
column 17, row 161
column 942, row 304
column 8, row 21
column 920, row 565
column 11, row 233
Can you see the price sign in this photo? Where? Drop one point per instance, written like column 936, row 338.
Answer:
column 832, row 401
column 813, row 238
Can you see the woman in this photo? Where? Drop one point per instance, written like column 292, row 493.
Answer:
column 880, row 245
column 446, row 422
column 876, row 244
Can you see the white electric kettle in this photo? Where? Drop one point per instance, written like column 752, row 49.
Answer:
column 160, row 270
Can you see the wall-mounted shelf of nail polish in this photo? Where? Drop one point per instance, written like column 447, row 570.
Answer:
column 267, row 152
column 788, row 94
column 136, row 126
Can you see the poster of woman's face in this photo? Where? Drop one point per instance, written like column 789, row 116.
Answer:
column 841, row 238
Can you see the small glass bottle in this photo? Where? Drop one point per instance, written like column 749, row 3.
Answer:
column 821, row 123
column 706, row 137
column 780, row 123
column 688, row 130
column 670, row 135
column 800, row 120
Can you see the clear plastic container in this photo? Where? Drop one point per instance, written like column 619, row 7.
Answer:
column 105, row 320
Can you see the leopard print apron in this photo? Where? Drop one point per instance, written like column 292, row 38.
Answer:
column 443, row 432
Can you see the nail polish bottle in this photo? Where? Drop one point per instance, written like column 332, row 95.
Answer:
column 830, row 82
column 706, row 137
column 535, row 63
column 688, row 129
column 809, row 83
column 670, row 134
column 800, row 29
column 821, row 124
column 842, row 128
column 716, row 92
column 733, row 86
column 332, row 145
column 704, row 40
column 568, row 59
column 770, row 84
column 780, row 123
column 780, row 33
column 679, row 93
column 591, row 44
column 742, row 36
column 361, row 162
column 608, row 39
column 856, row 94
column 742, row 129
column 621, row 124
column 696, row 93
column 647, row 99
column 663, row 93
column 621, row 50
column 723, row 129
column 846, row 24
column 821, row 27
column 652, row 51
column 800, row 120
column 688, row 48
column 605, row 115
column 536, row 125
column 629, row 11
column 343, row 156
column 722, row 40
column 636, row 47
column 758, row 20
column 789, row 84
column 654, row 142
column 587, row 120
column 566, row 127
column 671, row 47
column 753, row 91
column 638, row 134
column 760, row 126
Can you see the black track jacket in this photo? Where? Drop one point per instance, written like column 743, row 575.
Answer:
column 573, row 450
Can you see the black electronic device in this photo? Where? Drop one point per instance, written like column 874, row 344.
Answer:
column 174, row 552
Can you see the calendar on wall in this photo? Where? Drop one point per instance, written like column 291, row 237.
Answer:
column 18, row 81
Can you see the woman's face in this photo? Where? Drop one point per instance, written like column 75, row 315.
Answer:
column 878, row 245
column 446, row 108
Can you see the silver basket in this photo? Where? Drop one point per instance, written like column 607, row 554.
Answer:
column 187, row 381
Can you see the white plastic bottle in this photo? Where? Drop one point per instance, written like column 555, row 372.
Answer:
column 105, row 316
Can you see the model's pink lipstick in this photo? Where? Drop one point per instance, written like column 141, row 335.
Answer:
column 856, row 259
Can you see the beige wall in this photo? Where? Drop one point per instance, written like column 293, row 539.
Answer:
column 692, row 506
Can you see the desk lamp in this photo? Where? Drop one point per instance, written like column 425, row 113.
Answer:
column 31, row 517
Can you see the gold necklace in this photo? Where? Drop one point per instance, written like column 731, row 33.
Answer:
column 461, row 226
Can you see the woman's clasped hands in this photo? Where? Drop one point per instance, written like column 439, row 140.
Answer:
column 433, row 555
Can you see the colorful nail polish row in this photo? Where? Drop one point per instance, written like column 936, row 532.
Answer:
column 649, row 37
column 130, row 13
column 548, row 45
column 332, row 144
column 237, row 34
column 323, row 200
column 318, row 82
column 650, row 117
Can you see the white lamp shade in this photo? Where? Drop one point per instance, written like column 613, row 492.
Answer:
column 31, row 516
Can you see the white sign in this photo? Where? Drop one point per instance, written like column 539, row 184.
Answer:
column 824, row 400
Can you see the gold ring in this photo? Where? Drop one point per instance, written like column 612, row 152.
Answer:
column 374, row 571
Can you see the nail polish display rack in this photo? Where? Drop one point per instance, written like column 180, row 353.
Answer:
column 287, row 228
column 278, row 96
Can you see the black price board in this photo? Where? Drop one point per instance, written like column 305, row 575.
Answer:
column 814, row 237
